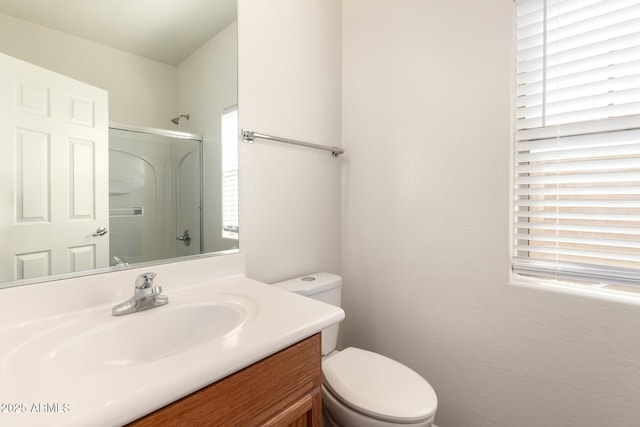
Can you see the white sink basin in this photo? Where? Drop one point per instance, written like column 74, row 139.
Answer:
column 98, row 342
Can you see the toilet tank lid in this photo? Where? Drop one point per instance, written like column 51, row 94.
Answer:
column 311, row 284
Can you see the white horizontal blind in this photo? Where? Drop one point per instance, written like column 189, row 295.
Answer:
column 230, row 184
column 577, row 154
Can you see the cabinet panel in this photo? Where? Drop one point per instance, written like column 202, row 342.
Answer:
column 280, row 391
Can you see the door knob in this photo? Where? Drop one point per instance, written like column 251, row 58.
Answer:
column 101, row 231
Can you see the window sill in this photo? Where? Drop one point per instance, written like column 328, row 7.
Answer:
column 623, row 295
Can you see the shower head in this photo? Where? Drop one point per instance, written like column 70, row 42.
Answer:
column 176, row 120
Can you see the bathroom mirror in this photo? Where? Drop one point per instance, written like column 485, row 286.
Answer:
column 169, row 69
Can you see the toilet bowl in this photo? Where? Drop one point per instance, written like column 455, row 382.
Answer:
column 361, row 388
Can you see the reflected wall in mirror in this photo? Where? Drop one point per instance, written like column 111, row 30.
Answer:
column 154, row 62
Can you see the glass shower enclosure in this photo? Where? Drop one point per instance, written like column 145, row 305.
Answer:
column 155, row 193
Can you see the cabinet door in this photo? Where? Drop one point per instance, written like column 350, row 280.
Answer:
column 306, row 412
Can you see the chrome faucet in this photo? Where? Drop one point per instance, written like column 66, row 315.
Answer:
column 145, row 296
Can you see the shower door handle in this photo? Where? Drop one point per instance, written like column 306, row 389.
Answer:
column 185, row 238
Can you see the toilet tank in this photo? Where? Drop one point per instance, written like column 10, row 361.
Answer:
column 325, row 287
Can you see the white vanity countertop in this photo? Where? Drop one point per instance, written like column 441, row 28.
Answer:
column 115, row 395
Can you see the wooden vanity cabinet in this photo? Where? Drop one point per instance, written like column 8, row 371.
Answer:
column 281, row 390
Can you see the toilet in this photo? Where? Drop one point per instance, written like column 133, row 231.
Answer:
column 361, row 388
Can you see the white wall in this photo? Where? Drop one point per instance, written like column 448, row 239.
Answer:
column 427, row 89
column 207, row 84
column 142, row 92
column 289, row 86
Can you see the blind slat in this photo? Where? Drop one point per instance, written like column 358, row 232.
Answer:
column 564, row 182
column 578, row 192
column 582, row 253
column 585, row 153
column 591, row 216
column 594, row 83
column 534, row 58
column 591, row 228
column 601, row 126
column 575, row 240
column 592, row 168
column 582, row 203
column 579, row 115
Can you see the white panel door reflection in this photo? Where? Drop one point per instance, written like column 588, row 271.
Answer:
column 53, row 173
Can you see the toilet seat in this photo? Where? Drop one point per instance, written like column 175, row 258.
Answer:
column 378, row 387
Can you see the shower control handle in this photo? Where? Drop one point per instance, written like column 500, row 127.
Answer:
column 185, row 238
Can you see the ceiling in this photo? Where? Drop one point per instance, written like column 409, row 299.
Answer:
column 165, row 30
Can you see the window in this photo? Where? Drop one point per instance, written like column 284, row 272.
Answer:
column 577, row 149
column 230, row 173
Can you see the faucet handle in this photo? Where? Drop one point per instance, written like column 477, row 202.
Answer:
column 145, row 280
